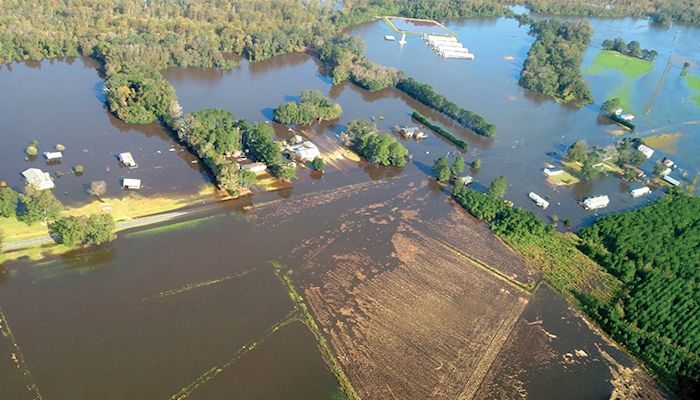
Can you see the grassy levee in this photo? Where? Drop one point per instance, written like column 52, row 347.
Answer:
column 304, row 315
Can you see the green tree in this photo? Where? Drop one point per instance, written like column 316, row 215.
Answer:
column 578, row 151
column 9, row 199
column 287, row 172
column 441, row 168
column 476, row 164
column 318, row 164
column 40, row 206
column 100, row 229
column 262, row 147
column 458, row 166
column 70, row 230
column 609, row 107
column 246, row 178
column 498, row 187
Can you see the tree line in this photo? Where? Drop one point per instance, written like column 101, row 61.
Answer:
column 426, row 95
column 654, row 252
column 632, row 49
column 439, row 130
column 552, row 64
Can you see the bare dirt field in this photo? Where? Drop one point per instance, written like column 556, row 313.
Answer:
column 427, row 325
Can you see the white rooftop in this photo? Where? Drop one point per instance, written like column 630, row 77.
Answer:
column 53, row 155
column 38, row 179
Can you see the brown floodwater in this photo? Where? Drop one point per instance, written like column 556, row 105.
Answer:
column 167, row 311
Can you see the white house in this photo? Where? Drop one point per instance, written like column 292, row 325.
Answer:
column 38, row 179
column 593, row 203
column 127, row 160
column 538, row 200
column 639, row 192
column 53, row 155
column 133, row 184
column 305, row 151
column 255, row 167
column 552, row 172
column 646, row 150
column 389, row 37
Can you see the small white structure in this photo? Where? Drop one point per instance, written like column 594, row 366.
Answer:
column 255, row 167
column 465, row 180
column 389, row 37
column 596, row 202
column 53, row 155
column 627, row 117
column 672, row 181
column 667, row 171
column 552, row 172
column 639, row 192
column 669, row 163
column 132, row 184
column 305, row 151
column 38, row 179
column 411, row 132
column 646, row 150
column 298, row 138
column 127, row 160
column 538, row 200
column 618, row 112
column 403, row 39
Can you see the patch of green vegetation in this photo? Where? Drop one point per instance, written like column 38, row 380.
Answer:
column 630, row 67
column 693, row 83
column 171, row 227
column 623, row 91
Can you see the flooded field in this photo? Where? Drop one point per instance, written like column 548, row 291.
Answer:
column 413, row 294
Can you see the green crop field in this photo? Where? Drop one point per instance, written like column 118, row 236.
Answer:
column 629, row 66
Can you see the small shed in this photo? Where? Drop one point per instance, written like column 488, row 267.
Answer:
column 646, row 150
column 53, row 155
column 552, row 172
column 131, row 184
column 256, row 167
column 38, row 179
column 127, row 160
column 465, row 180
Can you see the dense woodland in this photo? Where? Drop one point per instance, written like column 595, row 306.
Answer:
column 552, row 64
column 313, row 107
column 655, row 252
column 426, row 95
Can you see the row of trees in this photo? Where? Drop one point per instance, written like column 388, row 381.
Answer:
column 344, row 58
column 84, row 230
column 382, row 149
column 632, row 49
column 440, row 130
column 552, row 64
column 313, row 106
column 426, row 95
column 443, row 171
column 654, row 251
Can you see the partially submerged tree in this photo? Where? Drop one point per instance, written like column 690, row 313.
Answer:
column 97, row 188
column 498, row 187
column 441, row 168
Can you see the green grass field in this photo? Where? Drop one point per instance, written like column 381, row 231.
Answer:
column 631, row 67
column 693, row 83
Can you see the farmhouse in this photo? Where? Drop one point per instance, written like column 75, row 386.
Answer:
column 132, row 184
column 305, row 151
column 38, row 179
